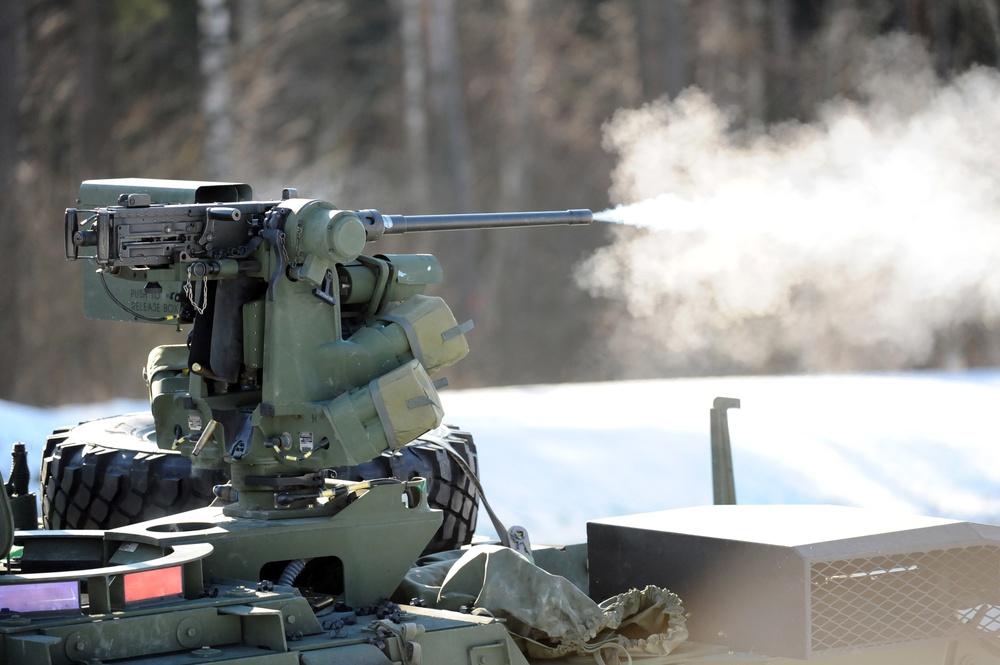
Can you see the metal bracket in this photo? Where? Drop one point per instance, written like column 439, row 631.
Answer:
column 723, row 484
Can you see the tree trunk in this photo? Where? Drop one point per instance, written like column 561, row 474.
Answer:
column 753, row 57
column 675, row 58
column 247, row 19
column 517, row 157
column 11, row 44
column 660, row 36
column 213, row 29
column 842, row 23
column 782, row 88
column 414, row 106
column 11, row 75
column 91, row 103
column 447, row 104
column 718, row 69
column 940, row 15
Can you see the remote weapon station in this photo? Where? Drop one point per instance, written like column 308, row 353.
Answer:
column 306, row 361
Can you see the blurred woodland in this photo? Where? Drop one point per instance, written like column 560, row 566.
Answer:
column 407, row 106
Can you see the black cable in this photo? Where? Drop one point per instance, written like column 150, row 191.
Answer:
column 442, row 441
column 141, row 317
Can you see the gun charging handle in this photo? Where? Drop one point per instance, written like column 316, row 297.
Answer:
column 76, row 237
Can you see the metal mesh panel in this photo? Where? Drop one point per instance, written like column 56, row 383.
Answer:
column 887, row 600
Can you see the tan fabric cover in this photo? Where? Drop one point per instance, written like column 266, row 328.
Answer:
column 548, row 616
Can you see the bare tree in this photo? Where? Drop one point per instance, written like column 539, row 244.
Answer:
column 91, row 104
column 752, row 56
column 517, row 156
column 663, row 53
column 414, row 104
column 11, row 64
column 781, row 93
column 447, row 103
column 11, row 45
column 247, row 18
column 718, row 68
column 213, row 29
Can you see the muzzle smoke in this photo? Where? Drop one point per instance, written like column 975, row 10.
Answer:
column 861, row 240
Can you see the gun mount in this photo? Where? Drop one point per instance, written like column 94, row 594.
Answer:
column 304, row 353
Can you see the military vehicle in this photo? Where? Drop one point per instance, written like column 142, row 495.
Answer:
column 339, row 525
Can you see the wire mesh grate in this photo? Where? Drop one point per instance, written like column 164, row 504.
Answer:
column 892, row 599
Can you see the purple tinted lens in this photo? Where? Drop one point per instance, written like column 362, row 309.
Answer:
column 41, row 597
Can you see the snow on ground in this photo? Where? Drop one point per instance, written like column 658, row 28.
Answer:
column 554, row 456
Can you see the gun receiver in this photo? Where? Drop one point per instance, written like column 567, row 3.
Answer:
column 304, row 353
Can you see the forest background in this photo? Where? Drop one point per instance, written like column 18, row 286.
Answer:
column 418, row 106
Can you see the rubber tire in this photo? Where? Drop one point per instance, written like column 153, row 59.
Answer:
column 107, row 473
column 449, row 487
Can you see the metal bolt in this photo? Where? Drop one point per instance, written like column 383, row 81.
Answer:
column 206, row 652
column 240, row 592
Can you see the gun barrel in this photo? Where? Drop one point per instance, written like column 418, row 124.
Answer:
column 395, row 224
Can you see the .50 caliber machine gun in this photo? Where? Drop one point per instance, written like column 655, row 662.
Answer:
column 304, row 355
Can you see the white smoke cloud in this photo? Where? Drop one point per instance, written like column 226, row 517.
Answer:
column 852, row 241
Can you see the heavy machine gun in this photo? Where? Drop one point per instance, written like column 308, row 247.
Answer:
column 304, row 353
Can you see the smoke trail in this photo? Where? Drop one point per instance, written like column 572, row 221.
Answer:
column 860, row 240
